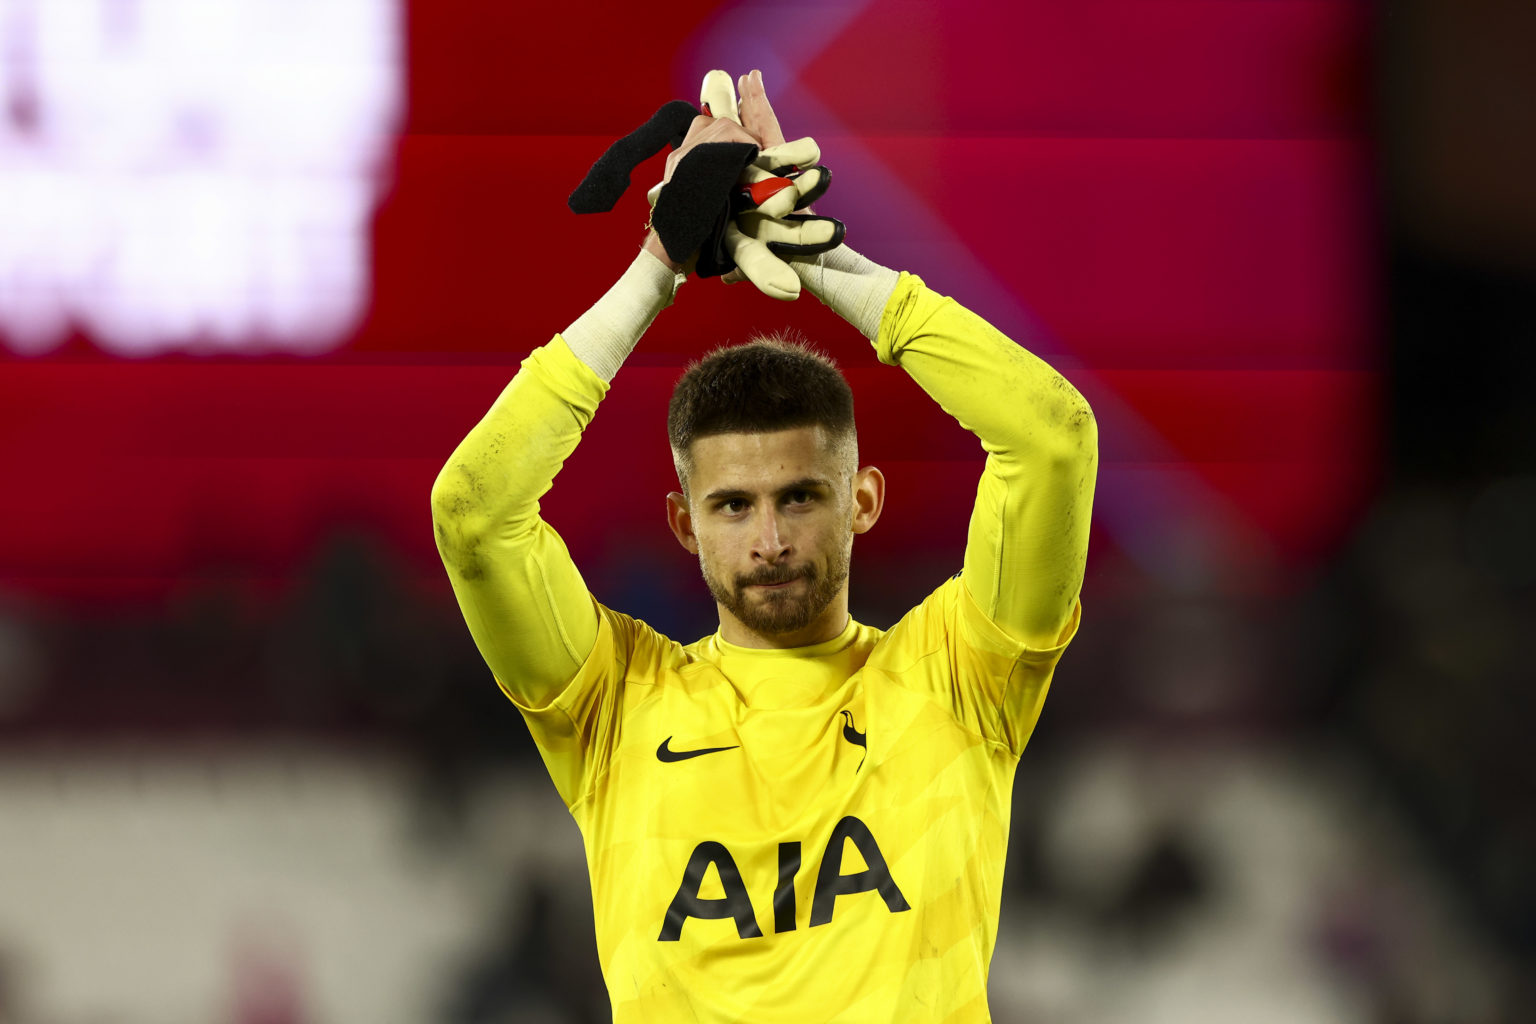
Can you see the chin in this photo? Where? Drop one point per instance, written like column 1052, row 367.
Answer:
column 777, row 615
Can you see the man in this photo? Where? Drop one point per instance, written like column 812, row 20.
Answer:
column 799, row 818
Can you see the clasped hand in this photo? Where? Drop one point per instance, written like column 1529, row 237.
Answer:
column 761, row 224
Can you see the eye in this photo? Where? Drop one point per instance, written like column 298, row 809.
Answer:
column 733, row 506
column 800, row 497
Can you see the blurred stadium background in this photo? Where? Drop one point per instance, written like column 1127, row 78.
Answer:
column 263, row 263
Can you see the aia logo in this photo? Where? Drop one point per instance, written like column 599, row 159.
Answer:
column 831, row 882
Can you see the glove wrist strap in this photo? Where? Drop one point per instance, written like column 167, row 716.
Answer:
column 853, row 287
column 604, row 335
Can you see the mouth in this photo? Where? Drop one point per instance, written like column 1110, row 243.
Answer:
column 776, row 584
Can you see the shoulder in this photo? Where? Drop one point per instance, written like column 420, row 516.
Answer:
column 626, row 651
column 949, row 620
column 637, row 644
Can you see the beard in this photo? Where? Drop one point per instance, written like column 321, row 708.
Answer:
column 780, row 611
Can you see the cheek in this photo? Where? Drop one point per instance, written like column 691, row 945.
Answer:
column 713, row 548
column 830, row 535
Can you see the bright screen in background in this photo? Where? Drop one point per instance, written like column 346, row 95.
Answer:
column 191, row 174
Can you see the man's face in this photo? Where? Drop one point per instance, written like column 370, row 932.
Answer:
column 772, row 518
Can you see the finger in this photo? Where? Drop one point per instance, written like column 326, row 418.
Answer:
column 699, row 126
column 800, row 153
column 718, row 96
column 757, row 114
column 769, row 193
column 734, row 277
column 812, row 184
column 772, row 275
column 791, row 234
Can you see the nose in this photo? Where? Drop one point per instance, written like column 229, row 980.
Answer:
column 770, row 545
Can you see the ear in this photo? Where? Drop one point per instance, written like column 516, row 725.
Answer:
column 681, row 521
column 868, row 498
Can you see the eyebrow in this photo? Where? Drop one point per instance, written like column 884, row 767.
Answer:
column 803, row 484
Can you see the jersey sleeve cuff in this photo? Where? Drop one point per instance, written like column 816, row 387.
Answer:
column 906, row 311
column 988, row 635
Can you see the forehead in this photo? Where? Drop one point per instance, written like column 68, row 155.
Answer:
column 763, row 461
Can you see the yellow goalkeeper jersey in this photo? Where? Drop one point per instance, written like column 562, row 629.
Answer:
column 815, row 834
column 805, row 835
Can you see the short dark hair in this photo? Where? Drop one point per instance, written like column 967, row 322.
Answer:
column 770, row 383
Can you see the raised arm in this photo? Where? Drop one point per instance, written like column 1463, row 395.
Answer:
column 1028, row 538
column 522, row 597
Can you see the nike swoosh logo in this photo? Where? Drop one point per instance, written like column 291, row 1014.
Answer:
column 666, row 753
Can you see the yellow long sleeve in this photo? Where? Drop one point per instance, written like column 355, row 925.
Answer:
column 523, row 598
column 1028, row 540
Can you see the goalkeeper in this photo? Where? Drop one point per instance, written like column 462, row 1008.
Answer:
column 800, row 817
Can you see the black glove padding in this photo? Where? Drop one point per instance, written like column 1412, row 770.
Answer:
column 795, row 234
column 693, row 207
column 609, row 177
column 705, row 193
